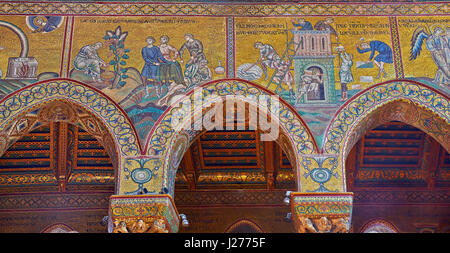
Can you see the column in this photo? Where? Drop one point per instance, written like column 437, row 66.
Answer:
column 322, row 204
column 142, row 203
column 143, row 214
column 322, row 212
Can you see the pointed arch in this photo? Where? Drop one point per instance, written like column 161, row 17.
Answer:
column 164, row 135
column 17, row 109
column 407, row 101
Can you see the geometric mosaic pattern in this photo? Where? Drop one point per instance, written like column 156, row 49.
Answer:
column 217, row 9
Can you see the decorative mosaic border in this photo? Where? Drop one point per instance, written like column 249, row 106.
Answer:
column 318, row 205
column 222, row 9
column 39, row 201
column 230, row 198
column 160, row 206
column 120, row 127
column 401, row 197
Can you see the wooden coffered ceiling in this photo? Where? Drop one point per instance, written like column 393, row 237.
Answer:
column 234, row 160
column 58, row 157
column 397, row 155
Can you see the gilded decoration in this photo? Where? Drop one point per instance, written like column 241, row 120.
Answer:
column 135, row 74
column 151, row 213
column 322, row 212
column 163, row 134
column 140, row 225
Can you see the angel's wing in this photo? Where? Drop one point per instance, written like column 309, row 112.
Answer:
column 419, row 35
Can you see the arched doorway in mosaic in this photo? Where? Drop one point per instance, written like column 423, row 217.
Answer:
column 406, row 101
column 72, row 102
column 168, row 141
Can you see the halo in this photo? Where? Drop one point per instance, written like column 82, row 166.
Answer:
column 39, row 18
column 32, row 22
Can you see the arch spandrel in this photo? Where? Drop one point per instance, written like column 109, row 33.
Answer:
column 398, row 100
column 161, row 140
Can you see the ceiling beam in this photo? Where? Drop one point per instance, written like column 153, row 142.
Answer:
column 189, row 170
column 271, row 162
column 432, row 155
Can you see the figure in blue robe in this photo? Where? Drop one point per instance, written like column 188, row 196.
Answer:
column 153, row 59
column 302, row 25
column 384, row 54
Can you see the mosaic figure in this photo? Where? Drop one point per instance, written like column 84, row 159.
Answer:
column 311, row 82
column 269, row 58
column 153, row 59
column 192, row 72
column 325, row 25
column 43, row 24
column 384, row 54
column 88, row 61
column 345, row 71
column 171, row 71
column 301, row 24
column 439, row 46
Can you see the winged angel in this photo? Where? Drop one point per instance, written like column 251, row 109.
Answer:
column 438, row 44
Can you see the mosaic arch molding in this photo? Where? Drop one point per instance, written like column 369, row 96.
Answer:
column 360, row 114
column 34, row 96
column 58, row 110
column 163, row 138
column 379, row 225
column 245, row 222
column 58, row 228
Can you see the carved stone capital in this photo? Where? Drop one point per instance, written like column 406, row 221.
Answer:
column 322, row 212
column 143, row 214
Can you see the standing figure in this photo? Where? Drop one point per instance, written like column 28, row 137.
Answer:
column 88, row 61
column 172, row 70
column 345, row 71
column 195, row 49
column 301, row 24
column 151, row 70
column 268, row 57
column 325, row 25
column 438, row 45
column 384, row 54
